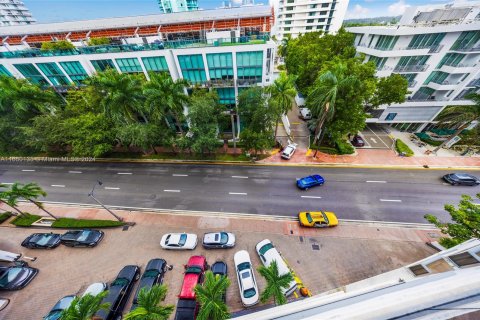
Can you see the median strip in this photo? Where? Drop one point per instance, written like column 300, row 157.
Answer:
column 390, row 200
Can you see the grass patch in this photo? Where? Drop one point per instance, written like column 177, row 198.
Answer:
column 81, row 223
column 4, row 216
column 402, row 148
column 344, row 147
column 25, row 221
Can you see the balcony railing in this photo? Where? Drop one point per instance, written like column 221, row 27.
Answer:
column 247, row 82
column 221, row 83
column 477, row 48
column 474, row 83
column 413, row 68
column 431, row 49
column 183, row 43
column 412, row 84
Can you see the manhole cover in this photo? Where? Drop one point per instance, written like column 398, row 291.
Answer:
column 125, row 228
column 315, row 247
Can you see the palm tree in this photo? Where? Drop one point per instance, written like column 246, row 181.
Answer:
column 460, row 116
column 275, row 283
column 164, row 96
column 210, row 297
column 149, row 307
column 30, row 192
column 84, row 308
column 10, row 199
column 324, row 94
column 282, row 92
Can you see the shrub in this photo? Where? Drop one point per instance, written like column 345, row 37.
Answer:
column 57, row 45
column 344, row 147
column 81, row 223
column 98, row 41
column 4, row 216
column 403, row 148
column 25, row 221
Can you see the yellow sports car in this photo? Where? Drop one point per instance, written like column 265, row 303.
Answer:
column 319, row 219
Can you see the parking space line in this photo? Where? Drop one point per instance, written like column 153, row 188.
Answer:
column 311, row 197
column 112, row 188
column 373, row 181
column 58, row 185
column 378, row 137
column 240, row 177
column 74, row 171
column 179, row 175
column 390, row 200
column 238, row 193
column 171, row 190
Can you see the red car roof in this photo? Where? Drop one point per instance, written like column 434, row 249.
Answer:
column 195, row 268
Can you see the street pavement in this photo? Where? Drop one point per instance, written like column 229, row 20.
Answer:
column 352, row 193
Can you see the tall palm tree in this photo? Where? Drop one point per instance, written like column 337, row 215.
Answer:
column 119, row 95
column 210, row 296
column 460, row 116
column 10, row 199
column 149, row 307
column 324, row 95
column 84, row 308
column 30, row 192
column 282, row 92
column 165, row 96
column 275, row 283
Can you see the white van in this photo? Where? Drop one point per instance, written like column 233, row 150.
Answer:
column 268, row 253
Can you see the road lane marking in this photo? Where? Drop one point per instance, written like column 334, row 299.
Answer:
column 171, row 190
column 311, row 197
column 6, row 182
column 28, row 170
column 124, row 173
column 378, row 138
column 179, row 175
column 390, row 200
column 112, row 188
column 58, row 185
column 240, row 177
column 373, row 181
column 238, row 193
column 74, row 171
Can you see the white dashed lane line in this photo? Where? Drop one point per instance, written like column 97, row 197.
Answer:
column 126, row 173
column 238, row 193
column 373, row 181
column 77, row 172
column 240, row 177
column 171, row 190
column 390, row 200
column 58, row 185
column 6, row 183
column 112, row 188
column 311, row 197
column 179, row 175
column 28, row 170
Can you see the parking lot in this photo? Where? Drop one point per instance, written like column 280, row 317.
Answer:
column 323, row 259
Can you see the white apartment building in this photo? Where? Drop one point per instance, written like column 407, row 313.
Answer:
column 13, row 13
column 437, row 49
column 170, row 6
column 297, row 17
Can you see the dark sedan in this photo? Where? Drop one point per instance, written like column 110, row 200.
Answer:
column 82, row 238
column 57, row 309
column 16, row 277
column 119, row 292
column 220, row 268
column 462, row 179
column 311, row 181
column 153, row 275
column 357, row 141
column 42, row 241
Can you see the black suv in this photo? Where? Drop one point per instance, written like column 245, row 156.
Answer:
column 82, row 238
column 462, row 179
column 153, row 275
column 118, row 293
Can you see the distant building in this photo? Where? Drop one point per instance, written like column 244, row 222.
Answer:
column 170, row 6
column 437, row 49
column 14, row 13
column 294, row 17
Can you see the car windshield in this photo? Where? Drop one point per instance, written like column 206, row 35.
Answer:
column 223, row 237
column 84, row 235
column 194, row 269
column 53, row 315
column 309, row 217
column 43, row 240
column 243, row 266
column 9, row 275
column 182, row 240
column 265, row 248
column 325, row 217
column 249, row 293
column 150, row 274
column 120, row 282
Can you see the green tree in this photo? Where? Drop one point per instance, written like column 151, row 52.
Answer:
column 276, row 283
column 30, row 192
column 143, row 135
column 465, row 223
column 282, row 93
column 149, row 307
column 57, row 45
column 210, row 297
column 10, row 199
column 389, row 90
column 85, row 307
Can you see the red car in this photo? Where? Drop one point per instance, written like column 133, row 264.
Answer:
column 194, row 271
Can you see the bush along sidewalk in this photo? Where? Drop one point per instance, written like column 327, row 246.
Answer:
column 67, row 223
column 25, row 220
column 4, row 216
column 403, row 149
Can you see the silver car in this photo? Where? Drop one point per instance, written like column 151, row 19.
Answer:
column 218, row 240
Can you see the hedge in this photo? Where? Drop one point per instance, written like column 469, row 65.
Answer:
column 81, row 223
column 402, row 148
column 4, row 216
column 344, row 147
column 25, row 221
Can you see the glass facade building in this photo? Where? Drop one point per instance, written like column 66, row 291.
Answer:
column 193, row 68
column 74, row 70
column 31, row 73
column 250, row 65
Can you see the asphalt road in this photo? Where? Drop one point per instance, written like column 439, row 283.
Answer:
column 352, row 193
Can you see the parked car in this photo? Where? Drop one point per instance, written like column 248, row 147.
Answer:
column 153, row 274
column 179, row 241
column 305, row 114
column 219, row 268
column 268, row 253
column 358, row 141
column 42, row 241
column 58, row 308
column 289, row 151
column 82, row 238
column 218, row 240
column 187, row 309
column 194, row 271
column 95, row 289
column 462, row 179
column 119, row 292
column 299, row 100
column 320, row 219
column 246, row 278
column 310, row 181
column 16, row 277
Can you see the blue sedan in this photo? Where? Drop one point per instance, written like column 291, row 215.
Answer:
column 310, row 181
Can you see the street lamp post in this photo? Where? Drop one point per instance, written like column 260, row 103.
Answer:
column 103, row 206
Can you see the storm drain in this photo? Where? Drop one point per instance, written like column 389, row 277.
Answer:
column 315, row 247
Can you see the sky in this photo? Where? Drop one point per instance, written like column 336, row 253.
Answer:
column 68, row 10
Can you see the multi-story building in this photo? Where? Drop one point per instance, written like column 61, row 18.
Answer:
column 437, row 49
column 301, row 16
column 225, row 49
column 14, row 13
column 169, row 6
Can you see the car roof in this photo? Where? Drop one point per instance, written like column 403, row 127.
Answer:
column 94, row 288
column 464, row 176
column 155, row 264
column 210, row 237
column 219, row 267
column 63, row 303
column 196, row 261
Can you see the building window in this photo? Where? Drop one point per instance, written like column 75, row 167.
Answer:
column 311, row 14
column 322, row 13
column 286, row 29
column 463, row 259
column 391, row 116
column 321, row 20
column 379, row 62
column 249, row 65
column 412, row 63
column 31, row 73
column 289, row 15
column 310, row 20
column 312, row 6
column 466, row 40
column 4, row 71
column 325, row 5
column 451, row 59
column 410, row 77
column 74, row 70
column 289, row 8
column 193, row 68
column 227, row 96
column 418, row 270
column 386, row 42
column 424, row 93
column 155, row 64
column 220, row 66
column 436, row 77
column 290, row 1
column 308, row 28
column 53, row 73
column 426, row 40
column 319, row 27
column 288, row 22
column 102, row 65
column 129, row 65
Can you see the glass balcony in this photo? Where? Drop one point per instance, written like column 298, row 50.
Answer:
column 412, row 68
